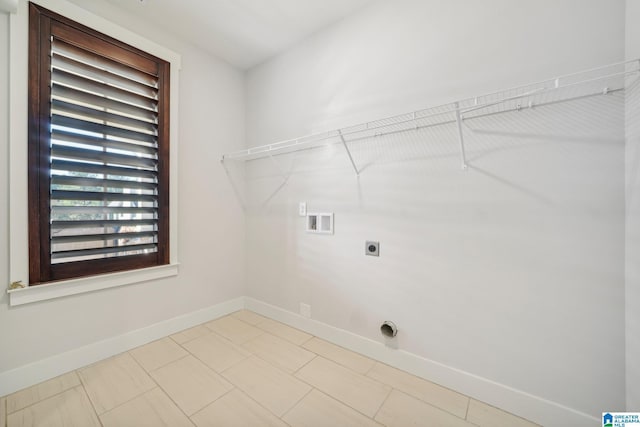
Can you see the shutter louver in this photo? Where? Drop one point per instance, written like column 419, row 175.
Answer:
column 104, row 157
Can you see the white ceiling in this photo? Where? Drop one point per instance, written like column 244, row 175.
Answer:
column 243, row 32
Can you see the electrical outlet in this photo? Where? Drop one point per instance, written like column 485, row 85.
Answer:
column 302, row 209
column 305, row 310
column 372, row 248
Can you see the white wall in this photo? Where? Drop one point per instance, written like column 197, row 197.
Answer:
column 211, row 270
column 502, row 271
column 632, row 296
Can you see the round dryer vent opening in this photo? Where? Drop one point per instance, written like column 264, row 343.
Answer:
column 389, row 329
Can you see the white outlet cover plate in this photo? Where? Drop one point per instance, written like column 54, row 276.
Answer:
column 302, row 209
column 305, row 310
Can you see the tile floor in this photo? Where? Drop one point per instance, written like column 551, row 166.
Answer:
column 244, row 370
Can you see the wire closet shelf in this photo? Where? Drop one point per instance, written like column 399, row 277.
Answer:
column 593, row 82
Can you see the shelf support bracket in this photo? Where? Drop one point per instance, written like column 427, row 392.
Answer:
column 236, row 190
column 346, row 147
column 463, row 156
column 283, row 175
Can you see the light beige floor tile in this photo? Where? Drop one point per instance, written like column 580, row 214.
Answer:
column 272, row 388
column 190, row 383
column 319, row 410
column 71, row 408
column 354, row 361
column 355, row 390
column 190, row 334
column 249, row 317
column 151, row 409
column 233, row 329
column 429, row 392
column 293, row 335
column 158, row 353
column 216, row 352
column 485, row 415
column 280, row 353
column 236, row 409
column 38, row 392
column 3, row 411
column 401, row 410
column 114, row 381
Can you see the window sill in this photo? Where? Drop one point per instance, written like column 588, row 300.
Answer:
column 88, row 284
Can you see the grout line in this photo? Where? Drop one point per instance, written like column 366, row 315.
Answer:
column 174, row 402
column 213, row 369
column 40, row 400
column 258, row 403
column 168, row 395
column 335, row 397
column 93, row 407
column 432, row 405
column 208, row 404
column 232, row 342
column 306, row 341
column 159, row 387
column 237, row 318
column 128, row 400
column 263, row 318
column 233, row 365
column 503, row 412
column 222, row 337
column 79, row 385
column 382, row 404
column 282, row 371
column 418, row 396
column 310, row 360
column 326, row 356
column 166, row 364
column 373, row 365
column 302, row 345
column 297, row 402
column 234, row 387
column 84, row 389
column 466, row 414
column 286, row 326
column 190, row 339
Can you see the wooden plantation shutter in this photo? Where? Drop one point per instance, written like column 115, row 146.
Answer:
column 98, row 152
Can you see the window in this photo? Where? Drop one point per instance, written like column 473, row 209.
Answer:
column 98, row 152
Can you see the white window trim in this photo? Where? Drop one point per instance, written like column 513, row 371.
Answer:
column 18, row 161
column 89, row 284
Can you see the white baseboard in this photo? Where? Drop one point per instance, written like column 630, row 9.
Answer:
column 534, row 408
column 42, row 370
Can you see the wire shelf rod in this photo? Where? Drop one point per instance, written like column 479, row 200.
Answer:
column 444, row 123
column 549, row 85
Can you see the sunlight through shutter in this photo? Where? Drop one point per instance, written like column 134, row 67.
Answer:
column 104, row 177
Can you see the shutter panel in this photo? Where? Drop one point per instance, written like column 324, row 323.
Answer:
column 103, row 156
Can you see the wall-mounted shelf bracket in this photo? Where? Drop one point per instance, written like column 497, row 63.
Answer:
column 233, row 184
column 283, row 175
column 605, row 80
column 346, row 147
column 463, row 155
